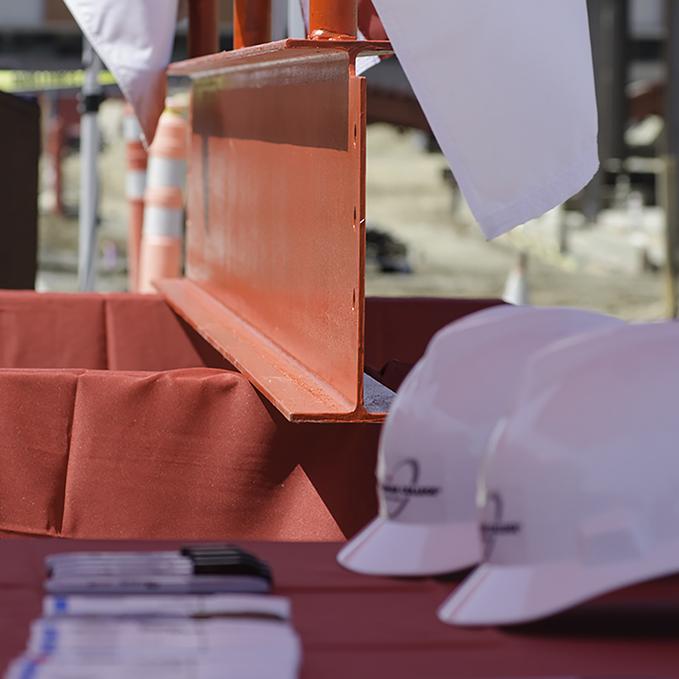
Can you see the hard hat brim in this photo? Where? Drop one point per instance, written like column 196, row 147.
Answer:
column 509, row 595
column 391, row 548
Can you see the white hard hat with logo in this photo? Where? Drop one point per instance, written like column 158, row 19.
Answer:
column 436, row 433
column 580, row 492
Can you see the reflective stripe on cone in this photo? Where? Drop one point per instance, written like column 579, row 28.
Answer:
column 164, row 202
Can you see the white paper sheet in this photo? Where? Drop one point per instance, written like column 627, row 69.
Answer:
column 508, row 88
column 167, row 605
column 134, row 40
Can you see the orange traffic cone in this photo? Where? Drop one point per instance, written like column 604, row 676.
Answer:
column 135, row 186
column 161, row 248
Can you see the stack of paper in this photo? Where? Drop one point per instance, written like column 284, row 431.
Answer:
column 109, row 633
column 223, row 570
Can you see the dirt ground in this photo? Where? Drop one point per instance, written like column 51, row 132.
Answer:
column 407, row 198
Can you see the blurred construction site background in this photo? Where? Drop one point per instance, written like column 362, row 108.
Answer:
column 609, row 248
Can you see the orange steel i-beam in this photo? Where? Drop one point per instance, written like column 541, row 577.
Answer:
column 333, row 19
column 276, row 222
column 203, row 28
column 251, row 23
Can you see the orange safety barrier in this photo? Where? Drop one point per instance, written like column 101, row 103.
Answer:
column 161, row 249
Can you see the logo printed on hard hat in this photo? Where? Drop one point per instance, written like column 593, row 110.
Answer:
column 400, row 487
column 495, row 526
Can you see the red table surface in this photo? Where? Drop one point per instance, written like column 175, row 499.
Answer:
column 355, row 626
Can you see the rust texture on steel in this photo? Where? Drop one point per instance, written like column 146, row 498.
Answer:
column 203, row 35
column 276, row 221
column 333, row 19
column 251, row 23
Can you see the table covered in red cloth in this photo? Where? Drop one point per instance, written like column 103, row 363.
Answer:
column 356, row 626
column 118, row 421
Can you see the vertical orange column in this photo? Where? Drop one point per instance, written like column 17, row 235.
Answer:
column 55, row 147
column 251, row 22
column 203, row 28
column 135, row 187
column 333, row 19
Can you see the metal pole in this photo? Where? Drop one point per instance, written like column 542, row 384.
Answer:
column 613, row 61
column 92, row 94
column 609, row 25
column 251, row 22
column 279, row 20
column 296, row 27
column 203, row 28
column 671, row 175
column 333, row 19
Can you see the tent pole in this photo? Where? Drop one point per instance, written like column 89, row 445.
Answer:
column 296, row 27
column 92, row 95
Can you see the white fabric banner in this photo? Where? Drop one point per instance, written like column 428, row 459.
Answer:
column 134, row 40
column 508, row 89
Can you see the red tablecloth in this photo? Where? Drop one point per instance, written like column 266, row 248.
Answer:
column 355, row 626
column 118, row 421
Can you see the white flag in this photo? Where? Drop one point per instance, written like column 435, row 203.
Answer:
column 134, row 40
column 508, row 89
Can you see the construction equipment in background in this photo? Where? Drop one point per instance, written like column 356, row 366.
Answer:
column 385, row 251
column 391, row 99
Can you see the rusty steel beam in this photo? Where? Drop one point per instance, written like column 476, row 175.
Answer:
column 276, row 222
column 333, row 19
column 251, row 23
column 203, row 28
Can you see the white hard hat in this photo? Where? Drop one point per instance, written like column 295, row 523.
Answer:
column 580, row 491
column 436, row 432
